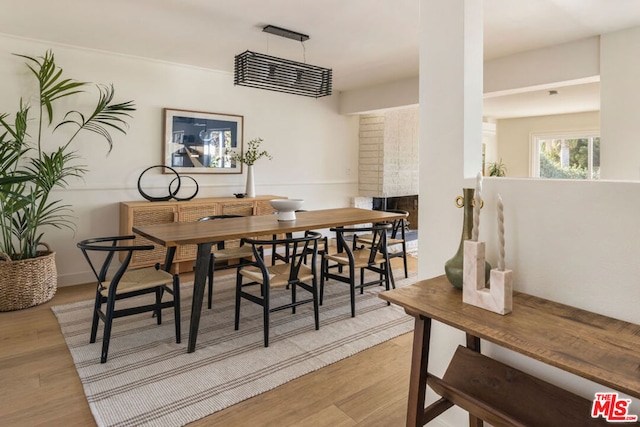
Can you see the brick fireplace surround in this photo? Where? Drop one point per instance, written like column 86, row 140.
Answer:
column 388, row 161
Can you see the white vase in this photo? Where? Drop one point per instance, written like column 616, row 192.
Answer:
column 251, row 188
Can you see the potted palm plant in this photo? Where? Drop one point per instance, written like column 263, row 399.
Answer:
column 497, row 168
column 30, row 170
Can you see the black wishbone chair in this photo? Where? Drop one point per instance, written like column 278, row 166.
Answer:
column 373, row 257
column 222, row 254
column 262, row 279
column 126, row 283
column 396, row 237
column 275, row 255
column 323, row 244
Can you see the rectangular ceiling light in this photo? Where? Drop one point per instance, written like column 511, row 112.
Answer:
column 281, row 75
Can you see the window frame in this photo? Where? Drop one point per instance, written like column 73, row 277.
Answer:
column 534, row 147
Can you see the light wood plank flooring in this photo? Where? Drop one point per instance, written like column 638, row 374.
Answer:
column 39, row 385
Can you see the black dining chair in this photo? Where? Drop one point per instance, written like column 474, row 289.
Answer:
column 373, row 257
column 126, row 283
column 395, row 238
column 225, row 256
column 258, row 281
column 284, row 256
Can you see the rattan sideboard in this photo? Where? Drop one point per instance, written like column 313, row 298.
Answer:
column 137, row 213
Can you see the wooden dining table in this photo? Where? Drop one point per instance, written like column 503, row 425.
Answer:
column 205, row 234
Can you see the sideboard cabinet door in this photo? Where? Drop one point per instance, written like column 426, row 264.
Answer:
column 148, row 215
column 192, row 212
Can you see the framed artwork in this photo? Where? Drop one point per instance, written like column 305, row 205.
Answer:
column 198, row 142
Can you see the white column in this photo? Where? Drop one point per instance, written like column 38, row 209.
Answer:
column 450, row 121
column 450, row 134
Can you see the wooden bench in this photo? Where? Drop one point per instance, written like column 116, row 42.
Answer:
column 486, row 388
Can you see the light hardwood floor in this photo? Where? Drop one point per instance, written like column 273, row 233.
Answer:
column 39, row 385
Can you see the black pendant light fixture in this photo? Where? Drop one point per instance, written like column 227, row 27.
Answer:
column 261, row 71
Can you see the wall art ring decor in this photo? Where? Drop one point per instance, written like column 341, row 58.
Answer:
column 198, row 142
column 173, row 188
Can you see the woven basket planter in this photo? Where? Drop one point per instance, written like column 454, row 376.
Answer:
column 27, row 282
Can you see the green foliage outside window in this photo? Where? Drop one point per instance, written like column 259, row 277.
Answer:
column 578, row 158
column 552, row 169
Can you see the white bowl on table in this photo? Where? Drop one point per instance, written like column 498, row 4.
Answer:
column 286, row 208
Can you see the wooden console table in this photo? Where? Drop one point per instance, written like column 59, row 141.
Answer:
column 592, row 346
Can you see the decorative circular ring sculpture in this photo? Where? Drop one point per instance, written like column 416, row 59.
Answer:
column 172, row 194
column 183, row 199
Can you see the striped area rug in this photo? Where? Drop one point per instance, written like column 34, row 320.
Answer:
column 149, row 380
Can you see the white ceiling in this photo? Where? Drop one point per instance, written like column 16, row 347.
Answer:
column 365, row 42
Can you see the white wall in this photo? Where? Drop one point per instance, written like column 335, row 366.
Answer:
column 390, row 95
column 619, row 94
column 514, row 136
column 313, row 146
column 538, row 68
column 571, row 242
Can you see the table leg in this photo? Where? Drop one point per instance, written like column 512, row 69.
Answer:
column 199, row 282
column 168, row 258
column 419, row 365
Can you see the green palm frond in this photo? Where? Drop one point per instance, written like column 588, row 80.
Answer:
column 28, row 173
column 104, row 117
column 54, row 169
column 48, row 76
column 17, row 131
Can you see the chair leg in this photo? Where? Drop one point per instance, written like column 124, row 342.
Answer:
column 352, row 290
column 406, row 270
column 404, row 259
column 316, row 309
column 210, row 283
column 323, row 267
column 176, row 307
column 265, row 312
column 158, row 310
column 293, row 298
column 238, row 297
column 96, row 318
column 388, row 277
column 111, row 302
column 273, row 252
column 389, row 274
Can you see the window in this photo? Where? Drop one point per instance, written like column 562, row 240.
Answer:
column 566, row 156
